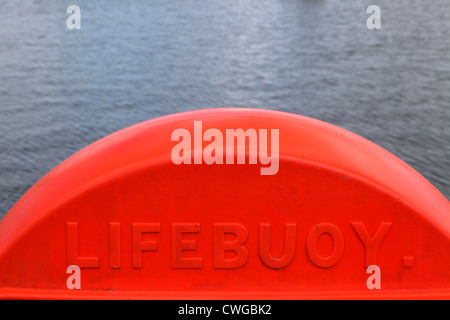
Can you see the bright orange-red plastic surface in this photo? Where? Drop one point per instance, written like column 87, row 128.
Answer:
column 140, row 226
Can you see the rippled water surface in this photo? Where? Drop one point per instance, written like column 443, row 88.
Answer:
column 61, row 90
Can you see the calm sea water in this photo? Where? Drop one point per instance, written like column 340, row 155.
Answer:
column 61, row 90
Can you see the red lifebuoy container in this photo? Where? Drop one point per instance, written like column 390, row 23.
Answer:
column 228, row 204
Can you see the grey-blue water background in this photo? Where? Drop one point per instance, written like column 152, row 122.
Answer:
column 61, row 90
